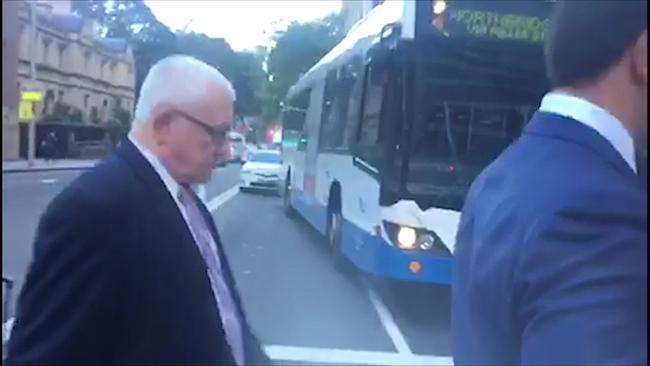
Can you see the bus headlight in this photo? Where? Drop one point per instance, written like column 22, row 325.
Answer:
column 409, row 238
column 406, row 237
column 426, row 241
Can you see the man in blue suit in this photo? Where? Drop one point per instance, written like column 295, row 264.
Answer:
column 128, row 267
column 551, row 255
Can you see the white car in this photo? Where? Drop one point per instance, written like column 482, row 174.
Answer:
column 262, row 171
column 237, row 146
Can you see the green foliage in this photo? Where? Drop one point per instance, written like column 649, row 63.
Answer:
column 296, row 50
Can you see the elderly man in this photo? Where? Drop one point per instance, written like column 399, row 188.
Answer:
column 128, row 267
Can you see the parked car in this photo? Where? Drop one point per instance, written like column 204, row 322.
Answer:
column 238, row 145
column 262, row 171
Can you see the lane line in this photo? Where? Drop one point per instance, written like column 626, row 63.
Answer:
column 352, row 357
column 388, row 322
column 49, row 180
column 224, row 197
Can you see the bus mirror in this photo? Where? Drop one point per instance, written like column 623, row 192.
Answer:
column 302, row 143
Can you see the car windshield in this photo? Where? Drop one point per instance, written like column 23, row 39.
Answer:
column 266, row 157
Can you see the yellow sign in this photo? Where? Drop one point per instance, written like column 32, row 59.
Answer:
column 32, row 96
column 26, row 111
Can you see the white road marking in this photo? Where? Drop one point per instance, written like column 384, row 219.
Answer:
column 6, row 329
column 49, row 180
column 201, row 192
column 351, row 357
column 214, row 203
column 389, row 323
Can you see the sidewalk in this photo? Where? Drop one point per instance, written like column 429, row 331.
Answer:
column 40, row 165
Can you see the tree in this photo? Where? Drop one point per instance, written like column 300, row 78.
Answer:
column 133, row 21
column 261, row 79
column 296, row 50
column 243, row 69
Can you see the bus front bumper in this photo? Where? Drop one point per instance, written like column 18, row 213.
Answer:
column 374, row 255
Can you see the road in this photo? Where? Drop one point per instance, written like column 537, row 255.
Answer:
column 301, row 308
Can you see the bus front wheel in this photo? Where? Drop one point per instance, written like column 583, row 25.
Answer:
column 286, row 198
column 334, row 237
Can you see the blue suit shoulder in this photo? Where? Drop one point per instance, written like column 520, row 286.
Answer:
column 551, row 254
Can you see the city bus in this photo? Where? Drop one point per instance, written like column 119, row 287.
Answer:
column 384, row 135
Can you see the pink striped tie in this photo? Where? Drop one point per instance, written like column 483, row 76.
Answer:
column 207, row 247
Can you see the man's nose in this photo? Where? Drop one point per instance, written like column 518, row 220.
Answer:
column 223, row 151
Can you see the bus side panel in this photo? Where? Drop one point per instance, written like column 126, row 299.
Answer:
column 305, row 200
column 362, row 213
column 359, row 191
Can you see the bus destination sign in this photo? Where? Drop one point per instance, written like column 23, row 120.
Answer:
column 524, row 21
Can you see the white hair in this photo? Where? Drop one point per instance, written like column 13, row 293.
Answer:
column 177, row 79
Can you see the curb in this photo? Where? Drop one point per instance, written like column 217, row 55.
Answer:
column 35, row 170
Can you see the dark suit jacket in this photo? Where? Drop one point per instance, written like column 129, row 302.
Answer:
column 550, row 261
column 116, row 278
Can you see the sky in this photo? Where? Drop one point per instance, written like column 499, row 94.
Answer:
column 243, row 23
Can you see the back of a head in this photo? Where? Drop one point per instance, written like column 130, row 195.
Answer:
column 177, row 79
column 587, row 38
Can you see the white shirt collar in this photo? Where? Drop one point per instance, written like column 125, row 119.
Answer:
column 172, row 185
column 595, row 117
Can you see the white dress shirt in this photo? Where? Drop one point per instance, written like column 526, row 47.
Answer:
column 594, row 117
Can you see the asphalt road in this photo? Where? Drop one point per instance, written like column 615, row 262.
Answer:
column 301, row 308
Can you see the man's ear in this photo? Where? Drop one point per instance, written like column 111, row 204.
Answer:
column 640, row 59
column 161, row 126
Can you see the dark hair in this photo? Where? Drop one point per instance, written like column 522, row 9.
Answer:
column 588, row 37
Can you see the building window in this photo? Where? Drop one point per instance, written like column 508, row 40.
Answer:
column 87, row 62
column 102, row 68
column 61, row 94
column 111, row 71
column 104, row 111
column 46, row 50
column 61, row 54
column 47, row 101
column 86, row 99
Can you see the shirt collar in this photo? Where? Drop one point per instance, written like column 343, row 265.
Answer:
column 170, row 183
column 594, row 117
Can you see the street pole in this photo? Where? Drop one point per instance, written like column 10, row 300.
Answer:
column 31, row 137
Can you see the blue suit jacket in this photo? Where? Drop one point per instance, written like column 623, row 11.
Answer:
column 117, row 279
column 551, row 254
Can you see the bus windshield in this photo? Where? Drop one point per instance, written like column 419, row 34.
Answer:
column 466, row 112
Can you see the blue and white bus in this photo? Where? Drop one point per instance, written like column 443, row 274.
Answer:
column 384, row 135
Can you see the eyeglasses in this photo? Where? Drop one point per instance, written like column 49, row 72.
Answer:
column 218, row 134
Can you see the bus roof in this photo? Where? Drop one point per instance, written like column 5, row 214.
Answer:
column 363, row 35
column 497, row 20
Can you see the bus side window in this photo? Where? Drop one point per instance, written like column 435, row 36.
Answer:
column 369, row 136
column 341, row 106
column 294, row 115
